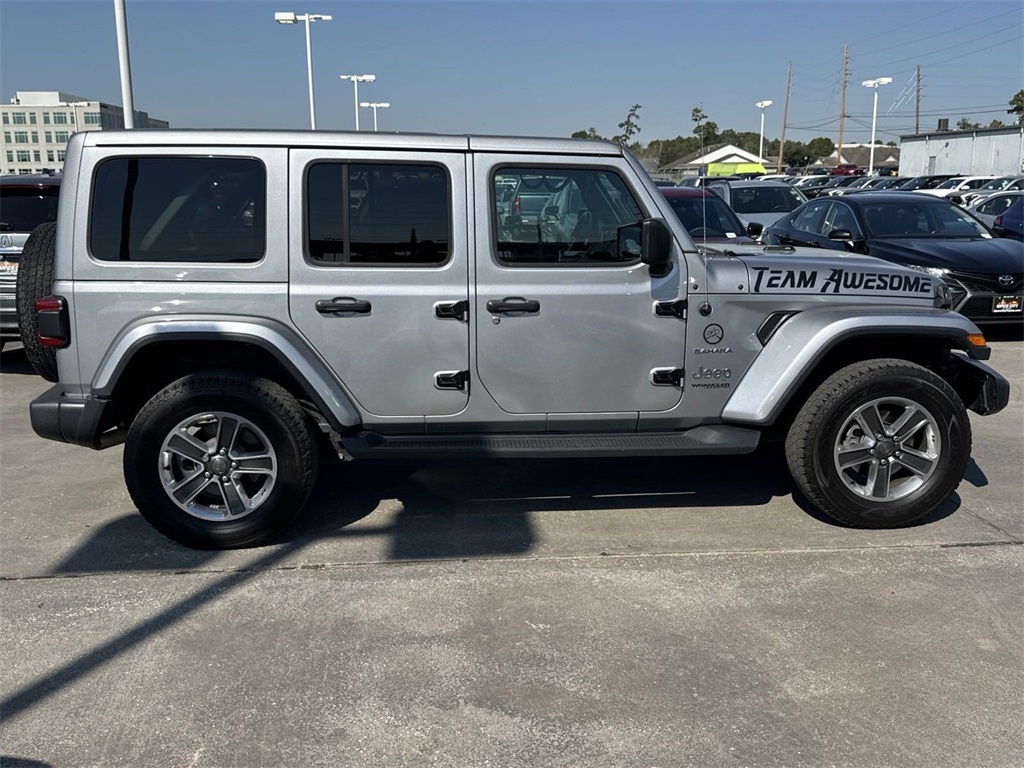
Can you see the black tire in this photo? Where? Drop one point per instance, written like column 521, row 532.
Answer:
column 272, row 423
column 35, row 280
column 831, row 456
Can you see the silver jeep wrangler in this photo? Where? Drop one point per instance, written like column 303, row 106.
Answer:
column 227, row 302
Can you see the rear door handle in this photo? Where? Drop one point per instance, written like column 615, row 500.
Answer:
column 513, row 304
column 343, row 305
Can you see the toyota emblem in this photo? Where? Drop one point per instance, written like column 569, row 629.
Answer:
column 1006, row 279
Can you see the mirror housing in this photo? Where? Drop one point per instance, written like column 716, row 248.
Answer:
column 656, row 246
column 551, row 211
column 840, row 234
column 754, row 229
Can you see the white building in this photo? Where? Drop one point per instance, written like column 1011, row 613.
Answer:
column 982, row 152
column 38, row 124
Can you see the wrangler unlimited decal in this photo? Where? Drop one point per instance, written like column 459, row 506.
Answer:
column 839, row 280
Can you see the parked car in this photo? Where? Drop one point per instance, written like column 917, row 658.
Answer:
column 811, row 186
column 917, row 183
column 703, row 181
column 707, row 218
column 847, row 169
column 838, row 182
column 1001, row 184
column 25, row 203
column 663, row 182
column 989, row 208
column 760, row 202
column 985, row 274
column 858, row 182
column 1011, row 223
column 953, row 189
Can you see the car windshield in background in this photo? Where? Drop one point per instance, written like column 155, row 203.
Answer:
column 918, row 220
column 1001, row 183
column 706, row 216
column 22, row 209
column 765, row 199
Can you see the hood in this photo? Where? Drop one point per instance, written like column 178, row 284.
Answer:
column 814, row 271
column 998, row 256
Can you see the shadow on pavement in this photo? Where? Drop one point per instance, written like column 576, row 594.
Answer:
column 13, row 360
column 9, row 761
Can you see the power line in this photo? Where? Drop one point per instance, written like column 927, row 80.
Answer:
column 904, row 44
column 1016, row 38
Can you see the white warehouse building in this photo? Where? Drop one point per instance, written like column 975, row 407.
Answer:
column 38, row 124
column 981, row 152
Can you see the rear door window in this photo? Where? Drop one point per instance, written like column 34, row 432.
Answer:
column 179, row 209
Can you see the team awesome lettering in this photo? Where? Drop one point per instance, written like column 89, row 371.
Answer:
column 839, row 281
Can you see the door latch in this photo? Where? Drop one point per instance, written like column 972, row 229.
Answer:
column 451, row 380
column 667, row 377
column 675, row 308
column 451, row 310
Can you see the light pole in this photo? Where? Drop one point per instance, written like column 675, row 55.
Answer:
column 762, row 105
column 374, row 105
column 874, row 116
column 124, row 65
column 356, row 80
column 288, row 17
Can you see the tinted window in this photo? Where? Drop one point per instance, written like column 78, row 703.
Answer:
column 209, row 209
column 564, row 217
column 706, row 216
column 377, row 214
column 917, row 219
column 811, row 218
column 22, row 209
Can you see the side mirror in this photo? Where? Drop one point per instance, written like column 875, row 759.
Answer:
column 999, row 230
column 551, row 211
column 840, row 234
column 656, row 246
column 754, row 229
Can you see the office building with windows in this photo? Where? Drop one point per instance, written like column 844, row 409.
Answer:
column 36, row 126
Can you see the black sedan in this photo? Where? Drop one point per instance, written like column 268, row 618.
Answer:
column 985, row 273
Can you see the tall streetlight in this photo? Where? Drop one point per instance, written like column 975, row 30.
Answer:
column 356, row 80
column 762, row 105
column 874, row 116
column 288, row 17
column 374, row 105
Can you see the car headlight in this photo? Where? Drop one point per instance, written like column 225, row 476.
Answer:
column 933, row 271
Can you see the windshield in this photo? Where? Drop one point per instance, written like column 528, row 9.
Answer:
column 914, row 218
column 706, row 217
column 950, row 183
column 23, row 209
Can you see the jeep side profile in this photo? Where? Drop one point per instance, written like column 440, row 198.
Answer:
column 227, row 303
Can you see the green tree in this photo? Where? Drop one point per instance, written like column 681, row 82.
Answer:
column 706, row 130
column 1017, row 106
column 820, row 147
column 590, row 133
column 963, row 124
column 629, row 127
column 997, row 124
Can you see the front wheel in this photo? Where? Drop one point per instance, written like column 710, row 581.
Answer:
column 880, row 444
column 218, row 461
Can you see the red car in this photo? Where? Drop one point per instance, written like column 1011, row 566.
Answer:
column 707, row 217
column 847, row 169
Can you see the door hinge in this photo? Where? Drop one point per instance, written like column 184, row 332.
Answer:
column 667, row 377
column 451, row 310
column 451, row 380
column 675, row 308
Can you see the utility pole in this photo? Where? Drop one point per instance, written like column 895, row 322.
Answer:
column 785, row 110
column 917, row 100
column 842, row 107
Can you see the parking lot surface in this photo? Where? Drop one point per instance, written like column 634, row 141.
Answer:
column 662, row 612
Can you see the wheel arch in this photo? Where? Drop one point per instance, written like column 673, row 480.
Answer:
column 150, row 354
column 812, row 345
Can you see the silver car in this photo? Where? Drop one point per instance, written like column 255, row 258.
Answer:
column 988, row 208
column 25, row 203
column 759, row 202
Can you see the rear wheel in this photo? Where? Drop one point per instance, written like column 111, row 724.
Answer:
column 218, row 461
column 35, row 280
column 880, row 444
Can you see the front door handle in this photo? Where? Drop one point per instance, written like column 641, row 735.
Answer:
column 511, row 304
column 343, row 305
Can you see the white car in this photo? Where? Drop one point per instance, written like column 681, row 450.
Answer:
column 954, row 189
column 999, row 184
column 988, row 208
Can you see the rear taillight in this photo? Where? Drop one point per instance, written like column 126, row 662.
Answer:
column 52, row 325
column 998, row 221
column 515, row 205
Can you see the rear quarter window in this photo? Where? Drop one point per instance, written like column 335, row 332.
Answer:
column 178, row 209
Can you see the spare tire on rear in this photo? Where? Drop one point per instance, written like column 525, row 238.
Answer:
column 35, row 280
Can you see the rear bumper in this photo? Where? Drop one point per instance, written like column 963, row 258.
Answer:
column 79, row 420
column 8, row 310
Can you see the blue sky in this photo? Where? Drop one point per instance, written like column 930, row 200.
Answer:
column 530, row 68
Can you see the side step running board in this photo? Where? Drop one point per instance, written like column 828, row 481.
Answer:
column 700, row 441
